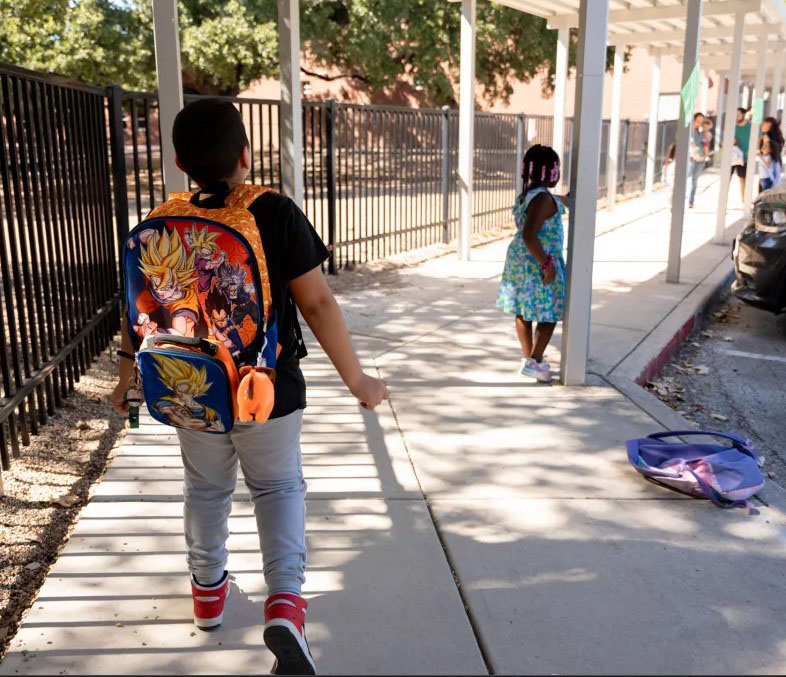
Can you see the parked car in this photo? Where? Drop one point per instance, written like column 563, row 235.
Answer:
column 760, row 254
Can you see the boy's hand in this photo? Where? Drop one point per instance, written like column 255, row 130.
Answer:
column 370, row 391
column 118, row 398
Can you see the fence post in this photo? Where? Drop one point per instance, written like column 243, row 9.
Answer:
column 118, row 153
column 623, row 159
column 445, row 174
column 519, row 153
column 330, row 168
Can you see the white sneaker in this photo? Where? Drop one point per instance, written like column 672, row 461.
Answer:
column 525, row 367
column 537, row 370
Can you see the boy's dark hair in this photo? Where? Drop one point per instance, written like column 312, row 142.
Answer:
column 696, row 116
column 209, row 136
column 217, row 301
column 540, row 166
column 742, row 111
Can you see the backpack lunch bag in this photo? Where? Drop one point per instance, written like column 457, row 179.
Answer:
column 198, row 308
column 727, row 476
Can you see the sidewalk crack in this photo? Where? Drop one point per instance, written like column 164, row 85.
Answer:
column 473, row 623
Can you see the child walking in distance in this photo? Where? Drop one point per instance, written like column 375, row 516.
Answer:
column 533, row 281
column 212, row 148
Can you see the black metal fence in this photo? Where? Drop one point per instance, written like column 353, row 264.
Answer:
column 378, row 180
column 58, row 273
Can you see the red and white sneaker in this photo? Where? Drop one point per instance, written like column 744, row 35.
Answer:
column 209, row 602
column 285, row 634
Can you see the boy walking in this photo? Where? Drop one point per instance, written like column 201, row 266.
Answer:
column 212, row 148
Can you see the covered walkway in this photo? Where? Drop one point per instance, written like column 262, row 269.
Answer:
column 474, row 525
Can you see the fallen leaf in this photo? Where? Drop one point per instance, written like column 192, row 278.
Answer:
column 695, row 344
column 720, row 417
column 728, row 338
column 67, row 500
column 119, row 625
column 707, row 334
column 702, row 369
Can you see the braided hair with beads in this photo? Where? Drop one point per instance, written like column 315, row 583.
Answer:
column 540, row 167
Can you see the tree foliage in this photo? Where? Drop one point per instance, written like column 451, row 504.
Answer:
column 225, row 45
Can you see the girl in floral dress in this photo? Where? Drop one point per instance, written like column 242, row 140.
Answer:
column 533, row 282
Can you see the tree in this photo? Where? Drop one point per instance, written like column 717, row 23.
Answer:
column 227, row 45
column 378, row 41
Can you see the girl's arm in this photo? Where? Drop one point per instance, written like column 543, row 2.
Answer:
column 541, row 208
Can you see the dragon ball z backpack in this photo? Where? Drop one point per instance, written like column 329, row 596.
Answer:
column 199, row 310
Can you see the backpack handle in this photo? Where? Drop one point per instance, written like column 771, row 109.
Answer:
column 190, row 341
column 741, row 443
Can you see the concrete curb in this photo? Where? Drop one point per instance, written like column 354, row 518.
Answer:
column 687, row 318
column 712, row 298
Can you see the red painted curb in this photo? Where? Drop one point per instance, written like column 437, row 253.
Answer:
column 691, row 324
column 667, row 352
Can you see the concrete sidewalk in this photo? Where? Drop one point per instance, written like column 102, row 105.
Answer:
column 476, row 524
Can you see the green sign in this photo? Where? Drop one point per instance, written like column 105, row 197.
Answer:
column 757, row 112
column 688, row 94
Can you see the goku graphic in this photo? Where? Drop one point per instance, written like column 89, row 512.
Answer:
column 169, row 305
column 186, row 383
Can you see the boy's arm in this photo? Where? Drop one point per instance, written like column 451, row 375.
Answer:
column 126, row 368
column 321, row 312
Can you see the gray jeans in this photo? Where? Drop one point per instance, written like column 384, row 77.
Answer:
column 270, row 458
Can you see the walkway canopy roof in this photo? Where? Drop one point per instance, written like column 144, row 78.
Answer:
column 659, row 22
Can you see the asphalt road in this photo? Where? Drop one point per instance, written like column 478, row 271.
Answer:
column 732, row 378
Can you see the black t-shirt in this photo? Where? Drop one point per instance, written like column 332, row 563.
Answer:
column 292, row 248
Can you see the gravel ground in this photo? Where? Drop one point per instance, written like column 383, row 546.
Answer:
column 730, row 378
column 47, row 487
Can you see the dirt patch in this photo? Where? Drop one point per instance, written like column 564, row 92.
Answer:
column 47, row 487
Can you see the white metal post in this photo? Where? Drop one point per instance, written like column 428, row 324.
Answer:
column 777, row 78
column 614, row 129
column 652, row 135
column 705, row 91
column 684, row 130
column 746, row 92
column 585, row 161
column 560, row 83
column 519, row 153
column 291, row 120
column 466, row 124
column 753, row 146
column 719, row 116
column 170, row 88
column 729, row 121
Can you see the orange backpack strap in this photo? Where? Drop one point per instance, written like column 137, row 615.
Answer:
column 180, row 196
column 235, row 215
column 244, row 195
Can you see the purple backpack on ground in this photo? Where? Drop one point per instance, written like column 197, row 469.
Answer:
column 726, row 475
